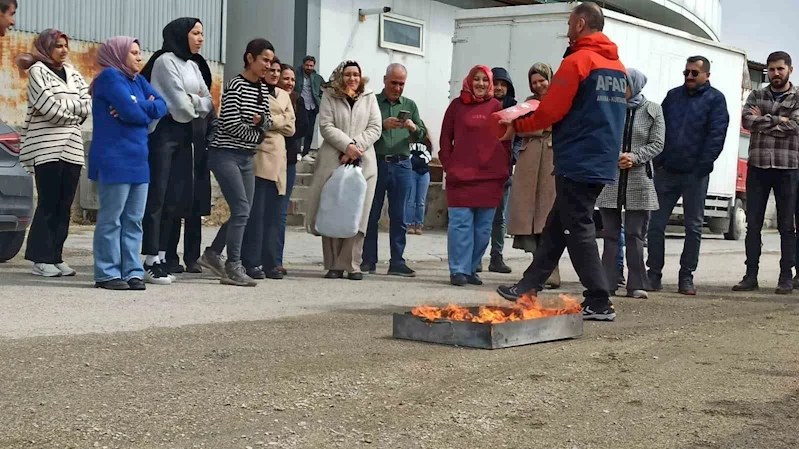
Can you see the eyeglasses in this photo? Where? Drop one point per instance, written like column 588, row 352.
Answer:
column 693, row 73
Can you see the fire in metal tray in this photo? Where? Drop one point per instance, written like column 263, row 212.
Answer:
column 526, row 308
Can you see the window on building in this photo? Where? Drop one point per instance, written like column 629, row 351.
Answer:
column 402, row 34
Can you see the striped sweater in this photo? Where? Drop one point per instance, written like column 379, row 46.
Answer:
column 241, row 100
column 56, row 110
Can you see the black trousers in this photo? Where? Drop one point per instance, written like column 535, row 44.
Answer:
column 261, row 233
column 56, row 184
column 192, row 239
column 759, row 184
column 306, row 145
column 168, row 139
column 570, row 224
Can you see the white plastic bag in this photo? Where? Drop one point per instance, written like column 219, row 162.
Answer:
column 341, row 204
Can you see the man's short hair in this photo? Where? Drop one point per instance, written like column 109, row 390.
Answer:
column 308, row 58
column 705, row 62
column 395, row 66
column 5, row 4
column 592, row 14
column 779, row 56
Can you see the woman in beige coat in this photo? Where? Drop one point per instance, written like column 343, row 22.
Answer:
column 259, row 256
column 350, row 124
column 533, row 191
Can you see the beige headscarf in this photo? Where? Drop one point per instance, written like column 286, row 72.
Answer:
column 542, row 69
column 338, row 88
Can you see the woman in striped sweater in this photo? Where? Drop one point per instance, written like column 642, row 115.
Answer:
column 243, row 122
column 52, row 146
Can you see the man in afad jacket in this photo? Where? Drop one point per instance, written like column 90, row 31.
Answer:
column 696, row 125
column 586, row 107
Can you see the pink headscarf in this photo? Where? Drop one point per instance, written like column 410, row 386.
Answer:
column 42, row 50
column 467, row 91
column 114, row 53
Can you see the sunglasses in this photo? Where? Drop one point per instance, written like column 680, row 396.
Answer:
column 693, row 73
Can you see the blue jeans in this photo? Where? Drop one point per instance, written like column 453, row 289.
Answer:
column 118, row 234
column 417, row 199
column 393, row 178
column 468, row 234
column 669, row 187
column 291, row 176
column 622, row 242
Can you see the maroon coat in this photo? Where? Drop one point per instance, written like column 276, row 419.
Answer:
column 477, row 164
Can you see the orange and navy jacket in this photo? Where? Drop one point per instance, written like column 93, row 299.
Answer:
column 586, row 107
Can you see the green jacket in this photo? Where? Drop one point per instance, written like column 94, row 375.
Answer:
column 316, row 84
column 396, row 142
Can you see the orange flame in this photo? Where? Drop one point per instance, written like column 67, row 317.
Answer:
column 526, row 308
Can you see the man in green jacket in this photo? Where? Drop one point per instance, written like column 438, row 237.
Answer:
column 401, row 123
column 309, row 87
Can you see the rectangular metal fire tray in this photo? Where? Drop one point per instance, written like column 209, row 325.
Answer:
column 487, row 335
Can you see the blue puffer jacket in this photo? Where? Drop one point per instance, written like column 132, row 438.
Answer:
column 696, row 126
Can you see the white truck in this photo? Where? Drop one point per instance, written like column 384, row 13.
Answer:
column 517, row 37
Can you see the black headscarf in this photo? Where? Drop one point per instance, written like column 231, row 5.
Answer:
column 176, row 40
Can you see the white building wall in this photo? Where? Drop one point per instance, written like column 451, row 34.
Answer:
column 342, row 36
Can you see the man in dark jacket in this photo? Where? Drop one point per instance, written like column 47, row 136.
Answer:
column 309, row 87
column 506, row 94
column 696, row 126
column 586, row 107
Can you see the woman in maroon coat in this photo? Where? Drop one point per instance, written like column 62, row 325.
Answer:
column 477, row 166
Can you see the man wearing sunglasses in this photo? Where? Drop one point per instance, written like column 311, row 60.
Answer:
column 771, row 114
column 696, row 125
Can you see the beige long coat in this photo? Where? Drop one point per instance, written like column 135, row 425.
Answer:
column 270, row 158
column 339, row 125
column 533, row 190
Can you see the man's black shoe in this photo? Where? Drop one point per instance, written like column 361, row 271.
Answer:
column 498, row 265
column 194, row 267
column 368, row 268
column 458, row 280
column 401, row 270
column 599, row 310
column 274, row 273
column 655, row 282
column 334, row 274
column 355, row 276
column 784, row 286
column 113, row 284
column 509, row 292
column 748, row 284
column 256, row 273
column 474, row 279
column 686, row 286
column 136, row 284
column 173, row 267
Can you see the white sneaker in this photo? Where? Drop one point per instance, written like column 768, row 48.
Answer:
column 47, row 270
column 65, row 269
column 308, row 158
column 154, row 274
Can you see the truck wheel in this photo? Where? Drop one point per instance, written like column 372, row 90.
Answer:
column 737, row 222
column 10, row 244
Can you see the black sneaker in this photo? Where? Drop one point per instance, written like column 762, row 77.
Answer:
column 194, row 267
column 458, row 279
column 748, row 284
column 113, row 284
column 686, row 286
column 655, row 282
column 256, row 273
column 274, row 273
column 784, row 286
column 237, row 275
column 335, row 274
column 498, row 265
column 155, row 274
column 136, row 284
column 368, row 268
column 509, row 292
column 355, row 276
column 401, row 270
column 474, row 279
column 599, row 311
column 173, row 267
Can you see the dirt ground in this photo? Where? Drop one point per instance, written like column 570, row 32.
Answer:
column 715, row 371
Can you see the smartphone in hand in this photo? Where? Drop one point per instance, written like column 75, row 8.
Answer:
column 403, row 115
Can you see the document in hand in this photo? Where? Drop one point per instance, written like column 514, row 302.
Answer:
column 512, row 113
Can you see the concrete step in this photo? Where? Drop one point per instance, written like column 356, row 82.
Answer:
column 303, row 179
column 301, row 192
column 296, row 206
column 305, row 167
column 295, row 220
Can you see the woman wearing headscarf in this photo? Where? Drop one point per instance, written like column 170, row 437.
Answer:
column 477, row 165
column 533, row 191
column 288, row 80
column 179, row 73
column 634, row 191
column 350, row 124
column 260, row 254
column 124, row 105
column 52, row 146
